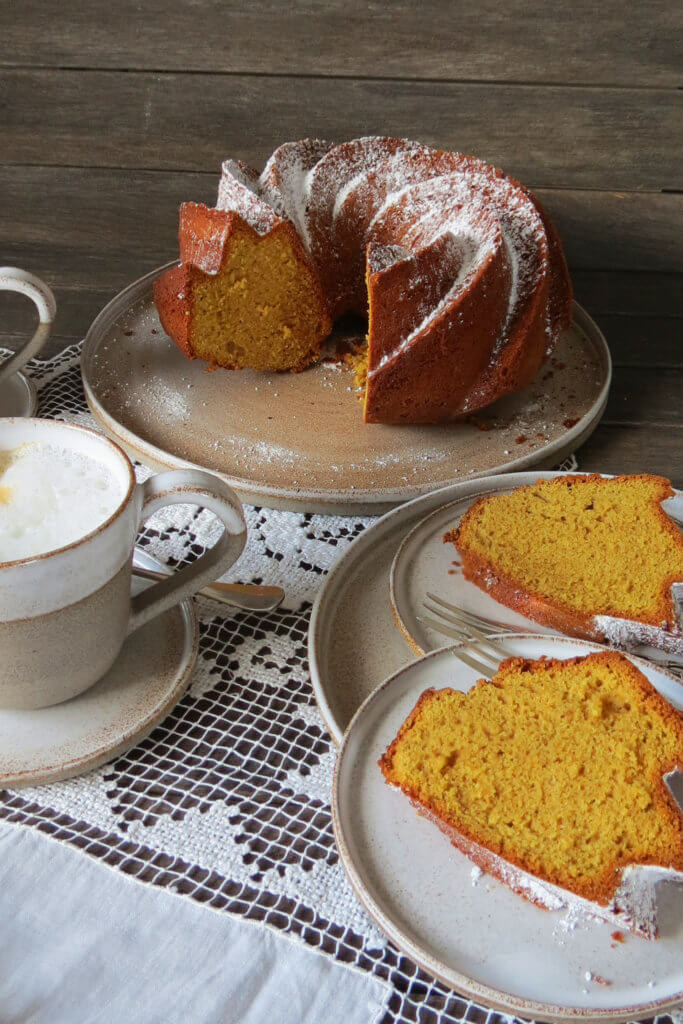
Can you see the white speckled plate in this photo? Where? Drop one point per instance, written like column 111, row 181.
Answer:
column 482, row 939
column 18, row 396
column 147, row 680
column 423, row 563
column 298, row 440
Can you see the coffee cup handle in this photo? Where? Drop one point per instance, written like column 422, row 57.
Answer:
column 12, row 279
column 192, row 487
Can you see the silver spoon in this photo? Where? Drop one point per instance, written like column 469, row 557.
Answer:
column 247, row 596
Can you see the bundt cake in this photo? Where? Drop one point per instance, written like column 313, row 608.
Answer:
column 591, row 556
column 456, row 266
column 553, row 770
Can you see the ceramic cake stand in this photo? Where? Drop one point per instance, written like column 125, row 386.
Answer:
column 297, row 440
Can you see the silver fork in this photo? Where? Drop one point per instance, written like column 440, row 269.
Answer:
column 458, row 624
column 471, row 618
column 466, row 626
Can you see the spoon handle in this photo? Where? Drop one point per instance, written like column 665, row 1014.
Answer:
column 246, row 596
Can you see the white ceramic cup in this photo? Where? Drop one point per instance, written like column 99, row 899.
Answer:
column 65, row 614
column 12, row 279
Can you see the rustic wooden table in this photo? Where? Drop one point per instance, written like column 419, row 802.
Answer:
column 112, row 113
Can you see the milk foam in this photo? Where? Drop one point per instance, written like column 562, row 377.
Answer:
column 50, row 497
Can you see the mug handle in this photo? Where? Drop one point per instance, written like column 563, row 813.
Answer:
column 192, row 487
column 12, row 279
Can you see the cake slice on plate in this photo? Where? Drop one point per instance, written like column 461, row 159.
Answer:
column 551, row 778
column 591, row 556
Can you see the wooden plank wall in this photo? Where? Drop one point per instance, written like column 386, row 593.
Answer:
column 112, row 113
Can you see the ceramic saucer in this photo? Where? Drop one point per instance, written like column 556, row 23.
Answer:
column 18, row 396
column 148, row 678
column 471, row 932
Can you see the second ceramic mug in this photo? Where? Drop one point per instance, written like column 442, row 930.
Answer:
column 12, row 279
column 64, row 615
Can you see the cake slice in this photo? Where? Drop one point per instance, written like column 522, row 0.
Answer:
column 550, row 778
column 591, row 556
column 241, row 299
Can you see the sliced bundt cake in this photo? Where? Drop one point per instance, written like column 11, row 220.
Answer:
column 456, row 265
column 241, row 299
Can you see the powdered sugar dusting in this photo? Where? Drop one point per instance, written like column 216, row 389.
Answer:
column 468, row 256
column 633, row 906
column 285, row 182
column 238, row 191
column 627, row 634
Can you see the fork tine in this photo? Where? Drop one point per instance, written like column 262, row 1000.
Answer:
column 478, row 667
column 457, row 634
column 487, row 667
column 474, row 619
column 454, row 629
column 454, row 618
column 490, row 624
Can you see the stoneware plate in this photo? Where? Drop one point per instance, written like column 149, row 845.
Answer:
column 298, row 441
column 146, row 681
column 18, row 396
column 423, row 563
column 475, row 934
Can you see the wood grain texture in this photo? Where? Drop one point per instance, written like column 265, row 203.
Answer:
column 618, row 292
column 654, row 341
column 192, row 122
column 634, row 449
column 76, row 310
column 518, row 41
column 114, row 113
column 645, row 395
column 115, row 211
column 634, row 341
column 82, row 276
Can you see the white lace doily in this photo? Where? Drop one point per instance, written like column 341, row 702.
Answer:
column 227, row 801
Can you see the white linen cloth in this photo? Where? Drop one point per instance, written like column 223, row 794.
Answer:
column 82, row 944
